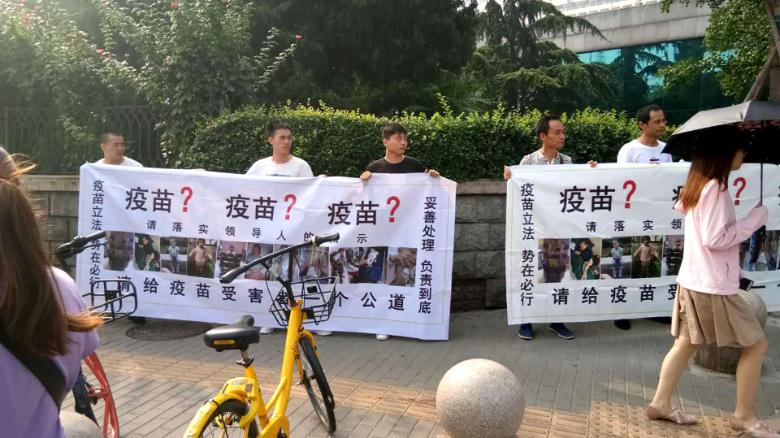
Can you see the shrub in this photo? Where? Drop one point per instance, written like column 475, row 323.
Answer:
column 338, row 142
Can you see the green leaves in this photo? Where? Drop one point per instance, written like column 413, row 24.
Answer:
column 736, row 41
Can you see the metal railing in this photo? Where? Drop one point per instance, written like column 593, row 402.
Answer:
column 38, row 134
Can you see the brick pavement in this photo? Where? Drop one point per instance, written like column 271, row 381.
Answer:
column 593, row 386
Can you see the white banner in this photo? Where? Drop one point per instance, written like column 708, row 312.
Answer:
column 173, row 232
column 587, row 244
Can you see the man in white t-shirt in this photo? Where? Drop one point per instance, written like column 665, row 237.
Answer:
column 647, row 148
column 281, row 162
column 113, row 146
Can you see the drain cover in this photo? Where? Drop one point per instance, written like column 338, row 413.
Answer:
column 165, row 330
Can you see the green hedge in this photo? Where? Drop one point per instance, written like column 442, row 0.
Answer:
column 337, row 142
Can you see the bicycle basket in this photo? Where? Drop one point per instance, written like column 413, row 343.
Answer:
column 315, row 295
column 113, row 298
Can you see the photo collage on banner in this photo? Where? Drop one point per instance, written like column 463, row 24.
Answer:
column 207, row 258
column 648, row 256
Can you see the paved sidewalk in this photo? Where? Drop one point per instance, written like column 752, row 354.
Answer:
column 594, row 386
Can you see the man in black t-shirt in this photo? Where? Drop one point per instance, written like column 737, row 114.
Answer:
column 394, row 136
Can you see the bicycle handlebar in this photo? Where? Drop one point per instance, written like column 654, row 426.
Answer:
column 231, row 275
column 319, row 240
column 78, row 243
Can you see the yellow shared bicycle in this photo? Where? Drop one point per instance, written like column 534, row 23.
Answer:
column 239, row 409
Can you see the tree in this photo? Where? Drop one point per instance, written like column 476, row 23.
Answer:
column 49, row 65
column 536, row 74
column 736, row 41
column 375, row 55
column 184, row 60
column 193, row 58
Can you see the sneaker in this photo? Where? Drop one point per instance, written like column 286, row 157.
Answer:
column 324, row 332
column 382, row 337
column 526, row 332
column 561, row 330
column 137, row 319
column 623, row 324
column 266, row 330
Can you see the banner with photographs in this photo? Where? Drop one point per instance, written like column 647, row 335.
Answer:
column 586, row 244
column 174, row 232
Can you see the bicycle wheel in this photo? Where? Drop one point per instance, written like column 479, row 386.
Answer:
column 223, row 423
column 99, row 394
column 321, row 397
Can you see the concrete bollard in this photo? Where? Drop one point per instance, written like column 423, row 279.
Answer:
column 480, row 398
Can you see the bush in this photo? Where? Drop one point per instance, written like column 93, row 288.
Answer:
column 337, row 142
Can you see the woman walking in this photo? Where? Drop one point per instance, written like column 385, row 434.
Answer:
column 707, row 309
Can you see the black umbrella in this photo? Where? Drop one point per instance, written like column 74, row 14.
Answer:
column 753, row 125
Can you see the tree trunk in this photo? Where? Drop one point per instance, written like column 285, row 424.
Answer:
column 774, row 71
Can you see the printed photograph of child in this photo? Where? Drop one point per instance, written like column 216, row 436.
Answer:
column 616, row 258
column 553, row 260
column 401, row 266
column 173, row 253
column 257, row 250
column 673, row 254
column 147, row 253
column 585, row 259
column 230, row 255
column 200, row 257
column 759, row 253
column 119, row 250
column 646, row 256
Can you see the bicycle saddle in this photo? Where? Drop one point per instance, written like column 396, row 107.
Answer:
column 237, row 336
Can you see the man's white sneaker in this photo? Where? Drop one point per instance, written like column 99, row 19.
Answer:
column 266, row 330
column 324, row 332
column 382, row 337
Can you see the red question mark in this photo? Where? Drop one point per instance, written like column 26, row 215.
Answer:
column 287, row 198
column 396, row 203
column 188, row 190
column 737, row 182
column 632, row 183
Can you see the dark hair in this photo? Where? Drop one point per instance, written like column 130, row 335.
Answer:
column 31, row 309
column 643, row 115
column 645, row 239
column 392, row 129
column 275, row 125
column 708, row 164
column 107, row 134
column 543, row 125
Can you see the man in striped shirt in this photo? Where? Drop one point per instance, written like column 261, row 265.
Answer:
column 551, row 132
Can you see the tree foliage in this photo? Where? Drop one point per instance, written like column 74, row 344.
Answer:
column 537, row 74
column 736, row 41
column 379, row 56
column 185, row 59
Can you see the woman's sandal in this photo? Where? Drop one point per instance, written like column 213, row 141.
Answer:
column 676, row 416
column 758, row 430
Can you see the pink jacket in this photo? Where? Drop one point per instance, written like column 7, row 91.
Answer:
column 710, row 261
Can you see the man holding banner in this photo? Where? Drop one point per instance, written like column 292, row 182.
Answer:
column 550, row 130
column 395, row 139
column 281, row 163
